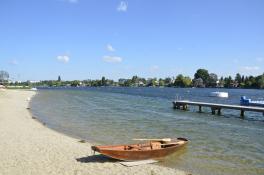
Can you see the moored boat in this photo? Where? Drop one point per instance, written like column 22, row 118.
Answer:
column 248, row 102
column 154, row 149
column 219, row 94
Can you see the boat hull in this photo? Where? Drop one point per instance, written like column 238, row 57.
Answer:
column 116, row 152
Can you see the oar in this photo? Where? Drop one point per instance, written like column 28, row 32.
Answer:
column 163, row 140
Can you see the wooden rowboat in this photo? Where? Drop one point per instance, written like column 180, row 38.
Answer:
column 142, row 151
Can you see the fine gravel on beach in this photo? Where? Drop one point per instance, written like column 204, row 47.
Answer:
column 28, row 147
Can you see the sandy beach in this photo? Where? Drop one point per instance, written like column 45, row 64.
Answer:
column 29, row 147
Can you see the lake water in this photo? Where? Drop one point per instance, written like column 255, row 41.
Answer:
column 108, row 115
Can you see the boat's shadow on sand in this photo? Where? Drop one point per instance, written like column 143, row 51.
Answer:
column 99, row 158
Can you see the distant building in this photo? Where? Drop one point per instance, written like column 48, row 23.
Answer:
column 141, row 83
column 33, row 81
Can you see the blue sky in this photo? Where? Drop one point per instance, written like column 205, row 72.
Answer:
column 88, row 39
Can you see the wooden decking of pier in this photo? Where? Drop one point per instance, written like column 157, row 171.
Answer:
column 216, row 107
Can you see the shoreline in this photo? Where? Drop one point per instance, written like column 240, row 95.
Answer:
column 29, row 147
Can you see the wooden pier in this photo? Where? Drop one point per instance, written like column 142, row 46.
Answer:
column 216, row 107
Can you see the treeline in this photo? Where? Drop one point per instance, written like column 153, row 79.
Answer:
column 202, row 78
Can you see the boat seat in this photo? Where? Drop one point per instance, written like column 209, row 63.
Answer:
column 155, row 145
column 151, row 146
column 134, row 147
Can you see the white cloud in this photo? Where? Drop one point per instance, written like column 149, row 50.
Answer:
column 179, row 49
column 110, row 48
column 14, row 62
column 122, row 7
column 154, row 68
column 73, row 1
column 112, row 59
column 70, row 1
column 63, row 58
column 260, row 59
column 250, row 68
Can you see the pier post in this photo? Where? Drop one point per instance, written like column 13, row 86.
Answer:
column 242, row 113
column 176, row 105
column 200, row 109
column 185, row 107
column 182, row 107
column 213, row 111
column 219, row 111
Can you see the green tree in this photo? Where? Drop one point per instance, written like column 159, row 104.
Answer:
column 167, row 81
column 96, row 83
column 243, row 79
column 238, row 78
column 203, row 74
column 51, row 83
column 161, row 82
column 75, row 83
column 187, row 81
column 260, row 81
column 212, row 81
column 182, row 81
column 59, row 78
column 134, row 79
column 252, row 81
column 128, row 83
column 179, row 81
column 103, row 81
column 3, row 77
column 228, row 82
column 152, row 82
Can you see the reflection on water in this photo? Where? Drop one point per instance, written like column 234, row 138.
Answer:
column 219, row 144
